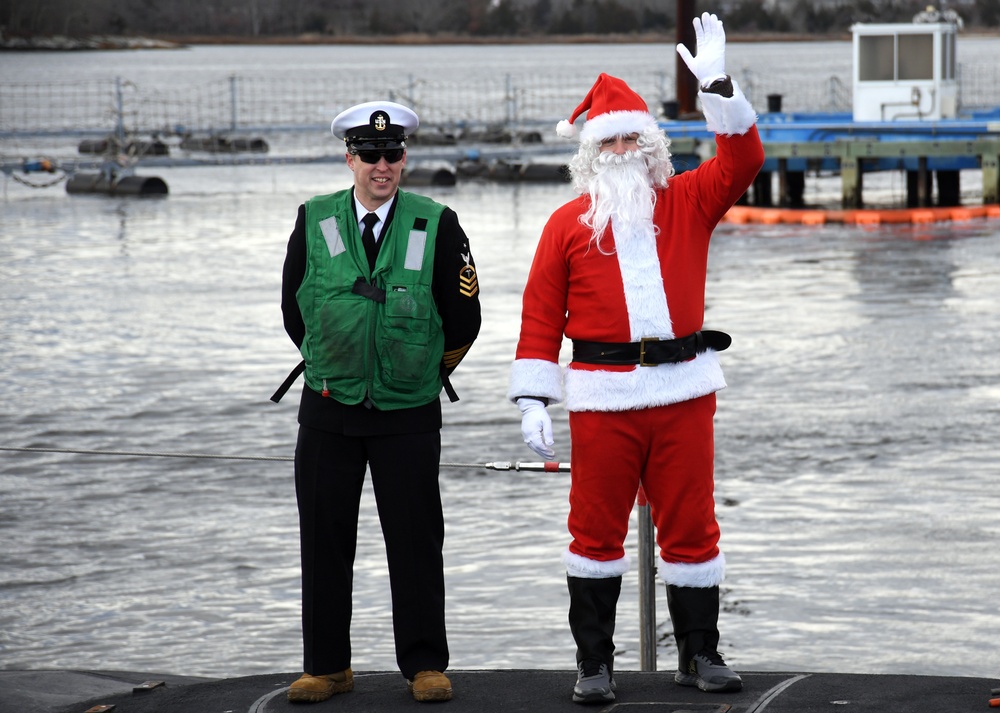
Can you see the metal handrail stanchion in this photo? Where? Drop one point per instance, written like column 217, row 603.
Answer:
column 647, row 589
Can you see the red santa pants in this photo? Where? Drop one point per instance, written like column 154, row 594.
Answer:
column 670, row 452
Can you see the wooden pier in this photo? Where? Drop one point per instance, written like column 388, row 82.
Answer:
column 855, row 156
column 850, row 151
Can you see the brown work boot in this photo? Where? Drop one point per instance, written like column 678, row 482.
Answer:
column 313, row 689
column 430, row 686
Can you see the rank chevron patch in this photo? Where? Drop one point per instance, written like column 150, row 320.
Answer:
column 468, row 283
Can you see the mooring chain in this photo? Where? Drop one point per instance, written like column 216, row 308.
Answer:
column 549, row 467
column 44, row 164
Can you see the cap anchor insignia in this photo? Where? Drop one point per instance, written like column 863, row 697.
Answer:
column 375, row 126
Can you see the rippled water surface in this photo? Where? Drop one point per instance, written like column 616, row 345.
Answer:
column 857, row 442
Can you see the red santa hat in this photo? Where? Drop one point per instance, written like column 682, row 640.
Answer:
column 613, row 109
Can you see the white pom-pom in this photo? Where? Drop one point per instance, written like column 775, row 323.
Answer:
column 565, row 129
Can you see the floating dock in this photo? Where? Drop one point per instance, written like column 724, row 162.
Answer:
column 795, row 145
column 907, row 115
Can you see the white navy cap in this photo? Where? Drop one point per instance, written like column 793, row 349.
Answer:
column 375, row 125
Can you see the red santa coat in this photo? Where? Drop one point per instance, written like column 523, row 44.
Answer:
column 646, row 288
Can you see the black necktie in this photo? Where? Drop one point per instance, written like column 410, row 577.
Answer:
column 368, row 238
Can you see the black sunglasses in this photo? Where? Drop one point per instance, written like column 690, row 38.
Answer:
column 390, row 155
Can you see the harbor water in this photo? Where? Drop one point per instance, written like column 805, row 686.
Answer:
column 857, row 455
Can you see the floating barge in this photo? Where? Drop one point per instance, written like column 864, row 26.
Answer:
column 906, row 117
column 932, row 154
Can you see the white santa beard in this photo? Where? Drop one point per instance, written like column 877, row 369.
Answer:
column 621, row 188
column 622, row 194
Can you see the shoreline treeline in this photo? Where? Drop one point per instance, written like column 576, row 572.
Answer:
column 447, row 20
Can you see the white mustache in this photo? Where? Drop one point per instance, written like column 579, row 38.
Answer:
column 610, row 158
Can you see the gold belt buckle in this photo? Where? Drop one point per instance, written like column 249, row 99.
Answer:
column 642, row 351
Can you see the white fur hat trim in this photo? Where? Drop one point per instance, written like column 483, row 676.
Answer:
column 616, row 123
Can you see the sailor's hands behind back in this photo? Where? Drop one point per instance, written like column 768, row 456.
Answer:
column 710, row 62
column 536, row 427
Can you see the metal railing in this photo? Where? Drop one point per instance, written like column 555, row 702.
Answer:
column 249, row 103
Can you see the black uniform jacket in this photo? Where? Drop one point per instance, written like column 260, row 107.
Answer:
column 456, row 294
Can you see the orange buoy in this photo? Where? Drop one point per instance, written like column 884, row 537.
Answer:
column 742, row 215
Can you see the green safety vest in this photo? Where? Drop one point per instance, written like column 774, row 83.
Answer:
column 355, row 346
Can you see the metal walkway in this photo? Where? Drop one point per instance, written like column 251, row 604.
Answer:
column 482, row 691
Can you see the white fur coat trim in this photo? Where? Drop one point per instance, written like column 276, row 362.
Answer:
column 586, row 568
column 645, row 298
column 644, row 386
column 701, row 574
column 728, row 116
column 535, row 377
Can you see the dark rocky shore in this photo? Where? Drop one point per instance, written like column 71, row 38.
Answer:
column 58, row 43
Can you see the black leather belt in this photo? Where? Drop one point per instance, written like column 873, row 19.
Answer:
column 650, row 351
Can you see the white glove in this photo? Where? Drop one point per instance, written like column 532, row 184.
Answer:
column 710, row 64
column 536, row 427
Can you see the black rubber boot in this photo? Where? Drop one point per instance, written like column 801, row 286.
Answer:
column 592, row 607
column 694, row 612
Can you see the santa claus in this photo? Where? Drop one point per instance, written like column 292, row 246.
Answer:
column 621, row 272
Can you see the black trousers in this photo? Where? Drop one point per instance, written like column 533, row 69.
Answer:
column 329, row 477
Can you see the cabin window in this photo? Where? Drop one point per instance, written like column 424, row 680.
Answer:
column 916, row 57
column 876, row 55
